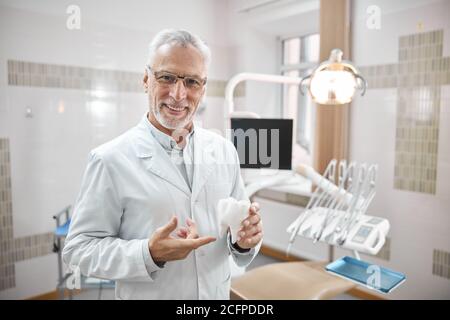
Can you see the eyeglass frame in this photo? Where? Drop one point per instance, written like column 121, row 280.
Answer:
column 201, row 81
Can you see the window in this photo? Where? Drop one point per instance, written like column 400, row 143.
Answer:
column 300, row 56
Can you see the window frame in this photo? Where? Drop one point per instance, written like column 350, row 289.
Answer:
column 303, row 68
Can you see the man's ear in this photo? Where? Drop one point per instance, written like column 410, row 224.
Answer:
column 202, row 99
column 144, row 81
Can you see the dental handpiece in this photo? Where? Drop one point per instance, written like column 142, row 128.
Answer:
column 367, row 195
column 317, row 196
column 337, row 203
column 365, row 192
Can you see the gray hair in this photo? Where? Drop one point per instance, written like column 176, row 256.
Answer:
column 178, row 37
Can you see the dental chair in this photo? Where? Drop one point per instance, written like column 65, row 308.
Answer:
column 289, row 281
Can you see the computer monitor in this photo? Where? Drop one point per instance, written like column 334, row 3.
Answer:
column 263, row 143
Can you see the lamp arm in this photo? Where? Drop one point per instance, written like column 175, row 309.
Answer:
column 364, row 83
column 301, row 83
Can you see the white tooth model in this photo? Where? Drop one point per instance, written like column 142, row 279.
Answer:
column 231, row 213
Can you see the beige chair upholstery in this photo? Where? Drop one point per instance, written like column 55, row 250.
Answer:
column 289, row 281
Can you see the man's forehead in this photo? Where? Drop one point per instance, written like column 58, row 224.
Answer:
column 177, row 58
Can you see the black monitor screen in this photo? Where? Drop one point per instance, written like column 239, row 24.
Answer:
column 263, row 143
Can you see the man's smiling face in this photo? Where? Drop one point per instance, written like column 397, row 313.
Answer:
column 174, row 105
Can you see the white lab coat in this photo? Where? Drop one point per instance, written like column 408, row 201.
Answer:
column 131, row 188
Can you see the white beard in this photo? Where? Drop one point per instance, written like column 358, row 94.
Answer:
column 172, row 124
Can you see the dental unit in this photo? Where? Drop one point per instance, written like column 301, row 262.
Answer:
column 336, row 211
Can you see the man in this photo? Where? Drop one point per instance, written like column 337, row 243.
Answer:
column 146, row 213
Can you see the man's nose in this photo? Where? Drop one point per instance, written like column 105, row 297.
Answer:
column 178, row 90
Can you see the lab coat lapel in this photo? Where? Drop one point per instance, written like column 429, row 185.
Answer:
column 156, row 159
column 204, row 159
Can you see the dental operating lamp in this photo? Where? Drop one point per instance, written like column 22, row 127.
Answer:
column 334, row 82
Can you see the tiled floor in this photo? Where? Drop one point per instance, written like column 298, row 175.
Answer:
column 108, row 293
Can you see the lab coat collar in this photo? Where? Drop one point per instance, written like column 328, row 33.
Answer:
column 166, row 141
column 155, row 158
column 147, row 147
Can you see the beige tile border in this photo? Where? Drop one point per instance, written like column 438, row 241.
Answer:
column 441, row 263
column 13, row 249
column 44, row 75
column 418, row 76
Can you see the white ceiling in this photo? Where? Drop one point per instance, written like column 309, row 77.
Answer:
column 132, row 14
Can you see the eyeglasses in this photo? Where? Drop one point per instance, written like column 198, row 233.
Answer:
column 165, row 78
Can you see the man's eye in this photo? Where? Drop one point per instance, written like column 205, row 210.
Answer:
column 191, row 82
column 167, row 78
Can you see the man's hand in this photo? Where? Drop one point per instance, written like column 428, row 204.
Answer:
column 250, row 233
column 163, row 247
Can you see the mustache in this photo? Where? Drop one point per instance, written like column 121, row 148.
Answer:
column 174, row 104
